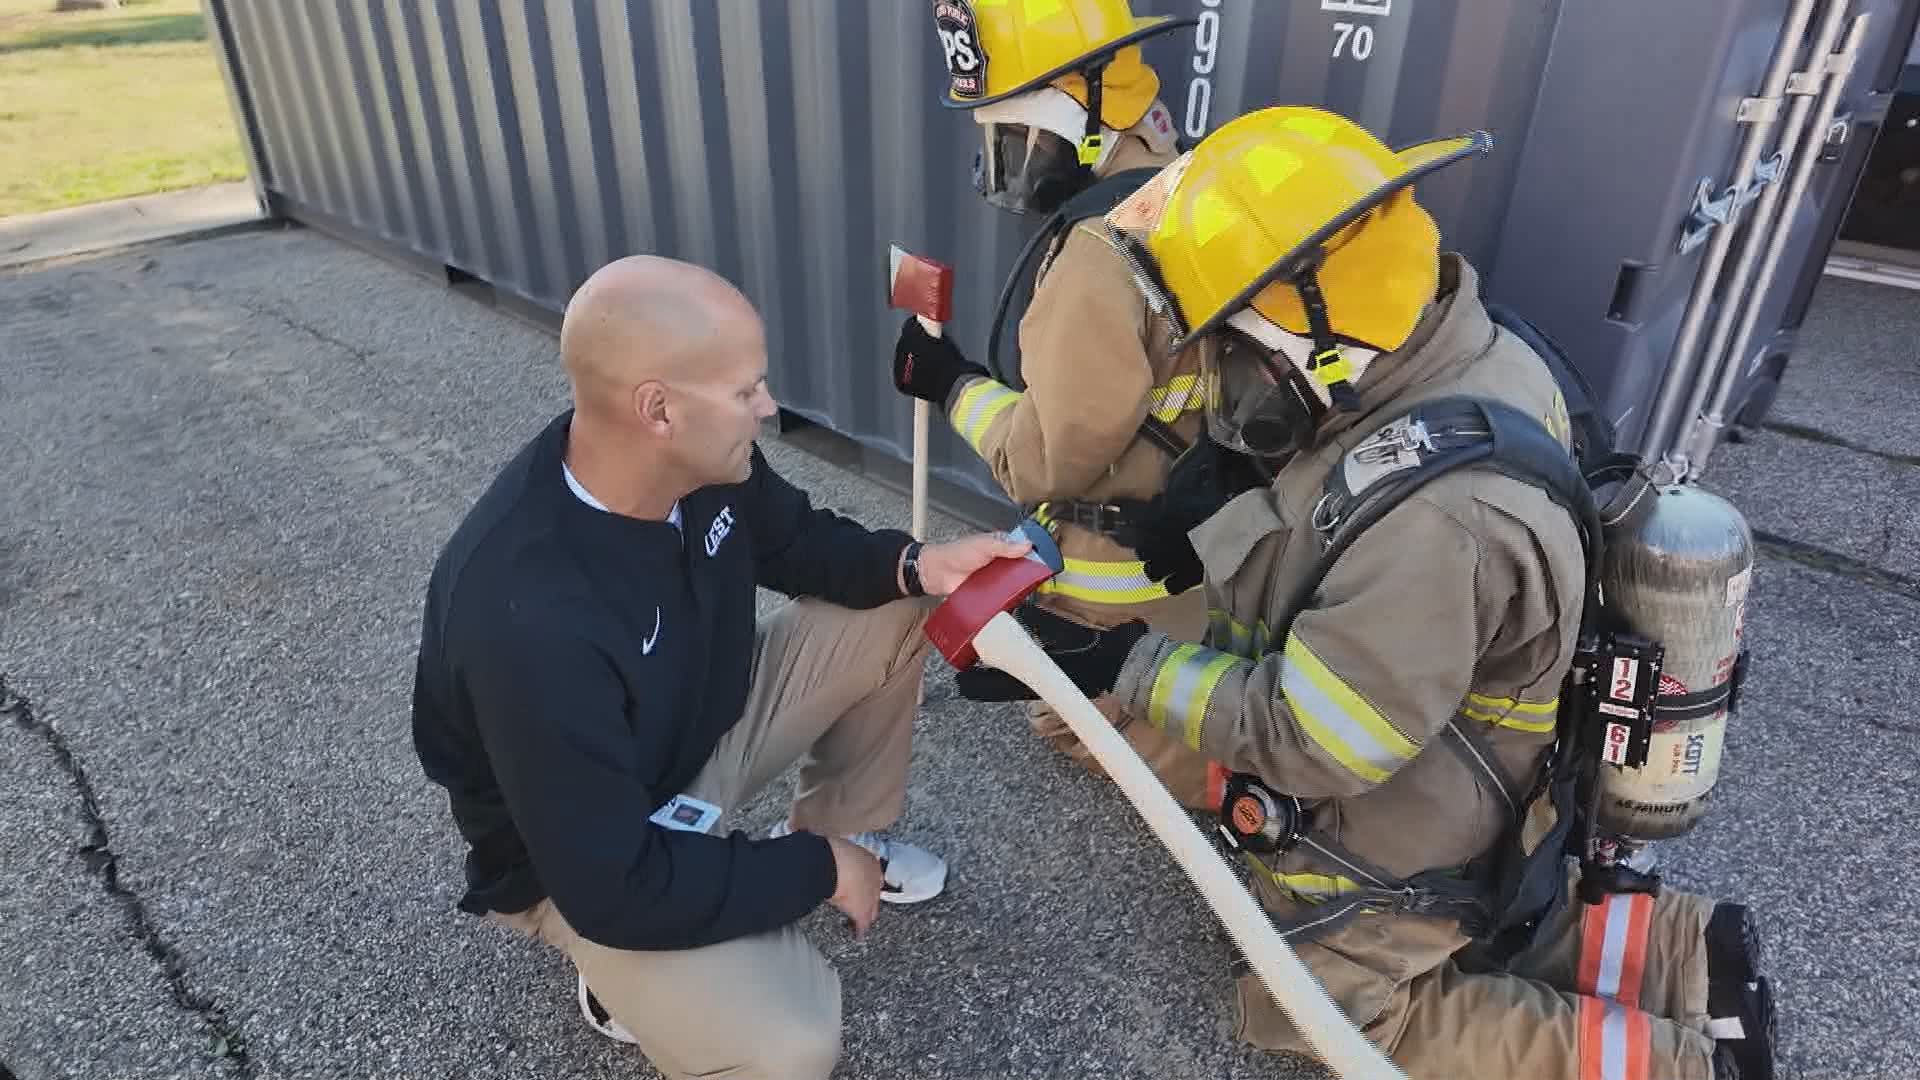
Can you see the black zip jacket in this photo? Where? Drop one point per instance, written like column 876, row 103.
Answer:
column 576, row 669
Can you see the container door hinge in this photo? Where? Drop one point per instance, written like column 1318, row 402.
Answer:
column 1758, row 110
column 1709, row 212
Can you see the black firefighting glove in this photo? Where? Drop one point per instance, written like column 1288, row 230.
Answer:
column 927, row 367
column 1090, row 657
column 1204, row 478
column 1167, row 556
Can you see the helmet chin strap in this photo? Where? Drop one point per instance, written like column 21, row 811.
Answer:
column 1326, row 366
column 1091, row 142
column 1300, row 351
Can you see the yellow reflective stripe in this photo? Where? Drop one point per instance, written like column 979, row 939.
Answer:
column 1180, row 395
column 1205, row 681
column 1339, row 719
column 1509, row 721
column 1181, row 688
column 1233, row 635
column 1535, row 717
column 977, row 407
column 1159, row 699
column 1306, row 887
column 1314, row 888
column 1224, row 632
column 1098, row 582
column 1507, row 704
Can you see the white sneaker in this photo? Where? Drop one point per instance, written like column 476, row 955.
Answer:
column 909, row 873
column 598, row 1018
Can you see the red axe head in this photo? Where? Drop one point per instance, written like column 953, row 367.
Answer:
column 996, row 587
column 921, row 285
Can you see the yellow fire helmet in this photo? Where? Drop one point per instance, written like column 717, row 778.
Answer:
column 1089, row 49
column 1303, row 216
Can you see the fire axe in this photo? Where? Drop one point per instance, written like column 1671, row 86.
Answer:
column 925, row 287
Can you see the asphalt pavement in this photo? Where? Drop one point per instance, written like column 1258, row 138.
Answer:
column 228, row 467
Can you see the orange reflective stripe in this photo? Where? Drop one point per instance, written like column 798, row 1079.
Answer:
column 1633, row 965
column 1639, row 1045
column 1593, row 1041
column 1616, row 1043
column 1613, row 947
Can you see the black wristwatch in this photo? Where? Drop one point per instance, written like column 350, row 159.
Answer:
column 910, row 569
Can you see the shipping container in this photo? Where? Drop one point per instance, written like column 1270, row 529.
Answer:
column 512, row 146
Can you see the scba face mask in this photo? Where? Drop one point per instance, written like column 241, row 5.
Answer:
column 1261, row 400
column 1255, row 401
column 1029, row 160
column 1025, row 170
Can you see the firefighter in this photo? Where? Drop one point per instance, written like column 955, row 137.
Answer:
column 1067, row 108
column 1395, row 704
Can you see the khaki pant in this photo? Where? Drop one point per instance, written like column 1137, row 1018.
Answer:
column 1611, row 992
column 1183, row 771
column 835, row 690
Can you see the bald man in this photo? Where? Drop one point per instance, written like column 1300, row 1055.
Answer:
column 593, row 691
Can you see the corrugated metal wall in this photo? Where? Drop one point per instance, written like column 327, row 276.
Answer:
column 785, row 143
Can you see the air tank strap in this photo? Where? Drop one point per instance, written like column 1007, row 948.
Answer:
column 1703, row 703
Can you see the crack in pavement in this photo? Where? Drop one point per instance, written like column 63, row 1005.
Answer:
column 99, row 857
column 291, row 323
column 1815, row 435
column 1832, row 562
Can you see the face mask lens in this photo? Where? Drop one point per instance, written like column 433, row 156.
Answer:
column 988, row 165
column 1252, row 405
column 1008, row 145
column 1026, row 170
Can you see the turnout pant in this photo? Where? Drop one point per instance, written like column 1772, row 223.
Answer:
column 1617, row 991
column 835, row 690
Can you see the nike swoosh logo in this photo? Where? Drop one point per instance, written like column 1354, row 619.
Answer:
column 646, row 646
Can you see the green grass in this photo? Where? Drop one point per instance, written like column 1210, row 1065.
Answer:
column 106, row 104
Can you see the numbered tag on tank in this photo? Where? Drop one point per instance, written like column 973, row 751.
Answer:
column 1629, row 676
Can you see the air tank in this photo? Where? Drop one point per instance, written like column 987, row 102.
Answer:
column 1680, row 577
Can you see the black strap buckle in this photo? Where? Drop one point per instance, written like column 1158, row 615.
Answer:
column 1100, row 517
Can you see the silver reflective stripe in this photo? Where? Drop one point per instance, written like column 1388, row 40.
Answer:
column 1182, row 687
column 1613, row 949
column 1105, row 582
column 1613, row 1044
column 1181, row 394
column 978, row 405
column 1339, row 733
column 1181, row 707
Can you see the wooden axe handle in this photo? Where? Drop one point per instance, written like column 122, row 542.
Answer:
column 921, row 421
column 921, row 411
column 1005, row 644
